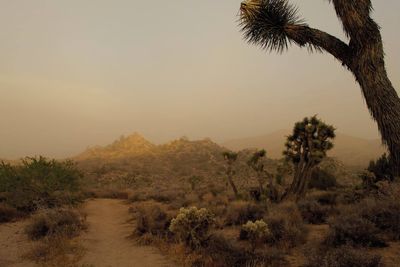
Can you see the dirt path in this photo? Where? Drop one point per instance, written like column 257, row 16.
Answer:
column 13, row 245
column 107, row 241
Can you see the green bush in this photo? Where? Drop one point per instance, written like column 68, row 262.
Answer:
column 192, row 226
column 38, row 182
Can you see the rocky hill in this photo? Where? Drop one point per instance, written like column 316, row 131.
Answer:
column 134, row 153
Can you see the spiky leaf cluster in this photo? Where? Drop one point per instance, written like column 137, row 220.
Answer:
column 254, row 161
column 266, row 22
column 310, row 141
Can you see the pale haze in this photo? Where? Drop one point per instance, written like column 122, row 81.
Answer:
column 78, row 73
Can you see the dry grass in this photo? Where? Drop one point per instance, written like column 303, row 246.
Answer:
column 58, row 222
column 8, row 213
column 240, row 212
column 286, row 226
column 54, row 232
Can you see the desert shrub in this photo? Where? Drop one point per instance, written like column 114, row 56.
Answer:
column 110, row 193
column 240, row 212
column 64, row 222
column 137, row 196
column 367, row 223
column 55, row 251
column 349, row 228
column 192, row 225
column 223, row 252
column 382, row 169
column 216, row 189
column 154, row 219
column 324, row 198
column 322, row 180
column 286, row 226
column 342, row 257
column 256, row 232
column 8, row 213
column 384, row 214
column 313, row 212
column 349, row 197
column 194, row 181
column 38, row 182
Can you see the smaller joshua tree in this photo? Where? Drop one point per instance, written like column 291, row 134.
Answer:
column 230, row 159
column 255, row 163
column 306, row 148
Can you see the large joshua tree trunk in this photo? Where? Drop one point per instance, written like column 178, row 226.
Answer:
column 273, row 24
column 381, row 97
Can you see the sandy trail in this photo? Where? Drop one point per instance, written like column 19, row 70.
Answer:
column 13, row 245
column 107, row 241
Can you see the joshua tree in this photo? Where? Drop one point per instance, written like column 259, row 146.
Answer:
column 255, row 162
column 230, row 159
column 274, row 25
column 306, row 148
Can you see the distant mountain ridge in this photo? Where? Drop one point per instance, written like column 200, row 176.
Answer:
column 352, row 151
column 178, row 158
column 134, row 144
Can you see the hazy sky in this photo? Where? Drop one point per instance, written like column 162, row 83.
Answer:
column 76, row 73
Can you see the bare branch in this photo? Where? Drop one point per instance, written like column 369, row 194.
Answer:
column 319, row 40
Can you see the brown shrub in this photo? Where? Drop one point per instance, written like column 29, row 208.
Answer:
column 240, row 212
column 323, row 197
column 8, row 213
column 351, row 229
column 286, row 225
column 383, row 213
column 153, row 218
column 367, row 223
column 63, row 222
column 107, row 193
column 56, row 251
column 221, row 252
column 313, row 212
column 342, row 257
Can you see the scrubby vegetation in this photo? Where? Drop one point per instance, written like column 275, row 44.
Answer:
column 57, row 222
column 49, row 190
column 192, row 225
column 345, row 256
column 38, row 183
column 234, row 215
column 53, row 231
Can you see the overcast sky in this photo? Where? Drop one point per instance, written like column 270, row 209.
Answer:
column 76, row 73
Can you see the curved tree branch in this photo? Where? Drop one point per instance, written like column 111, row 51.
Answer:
column 319, row 40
